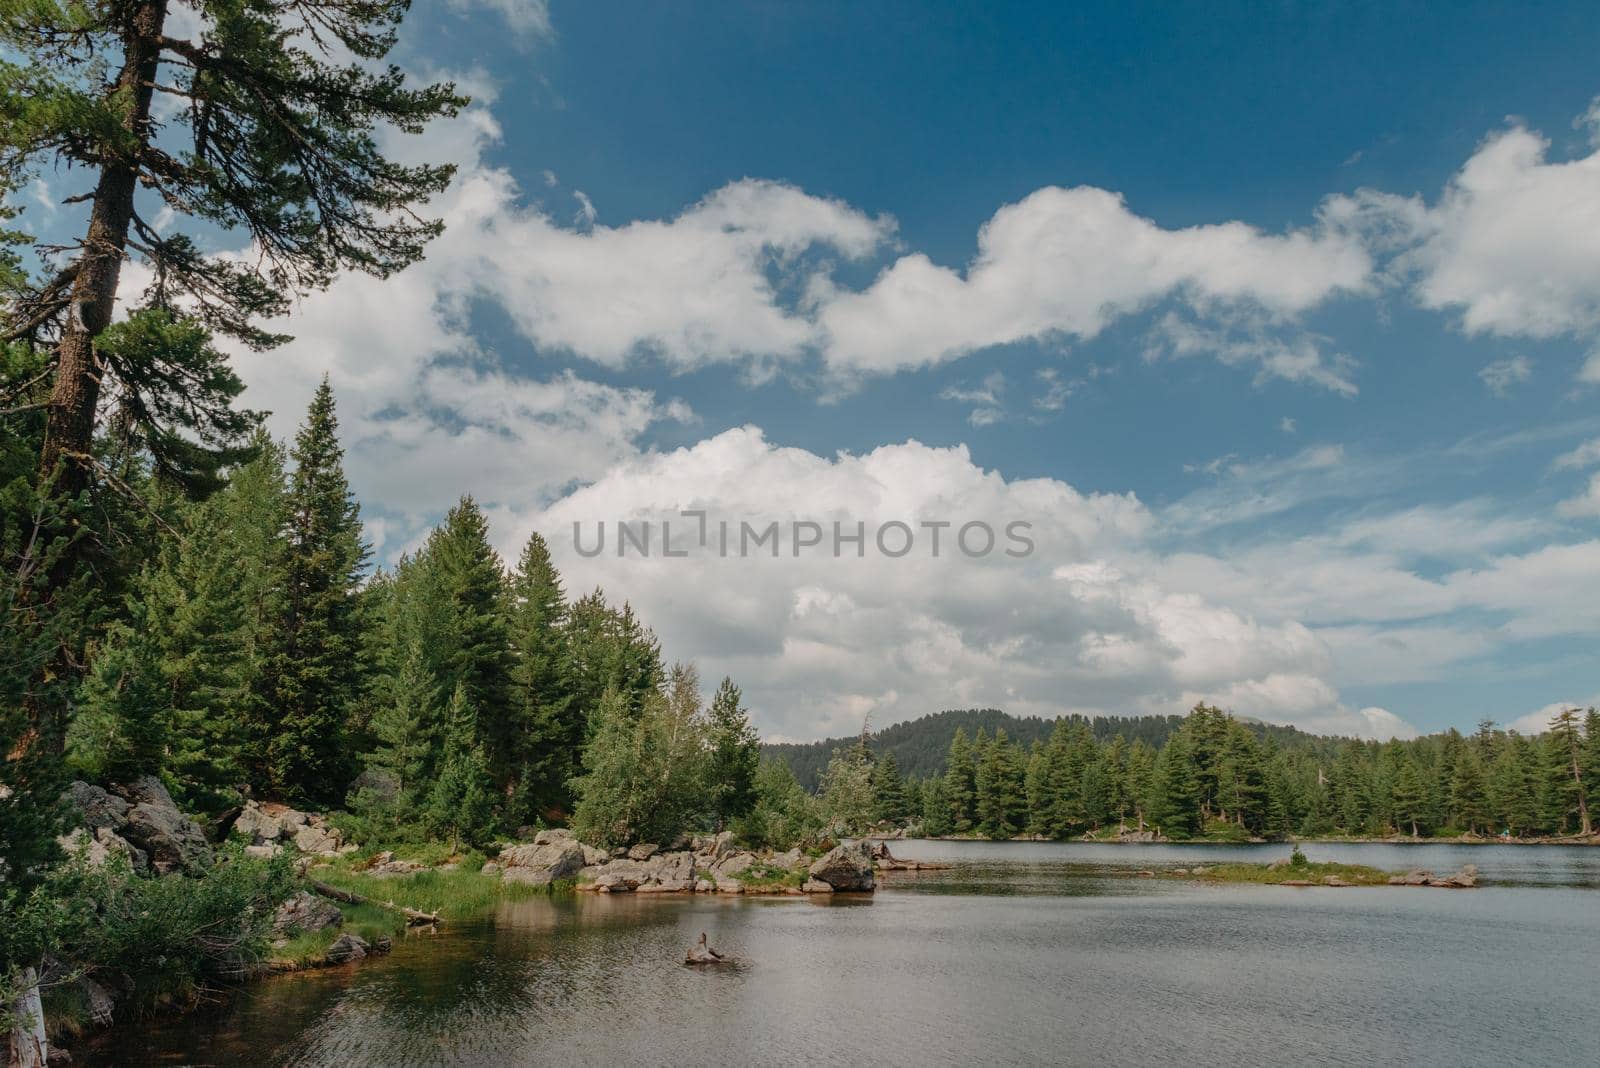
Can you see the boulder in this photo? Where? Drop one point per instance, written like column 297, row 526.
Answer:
column 264, row 851
column 173, row 841
column 97, row 1000
column 491, row 868
column 257, row 824
column 306, row 911
column 552, row 835
column 714, row 846
column 347, row 948
column 643, row 851
column 100, row 844
column 845, row 867
column 593, row 856
column 99, row 807
column 317, row 838
column 672, row 871
column 733, row 864
column 816, row 886
column 540, row 865
column 729, row 886
column 704, row 886
column 390, row 869
column 613, row 882
column 789, row 859
column 1334, row 880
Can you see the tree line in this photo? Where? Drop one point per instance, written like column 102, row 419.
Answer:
column 1217, row 777
column 448, row 695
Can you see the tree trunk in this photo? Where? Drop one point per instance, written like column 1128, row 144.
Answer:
column 69, row 421
column 28, row 1046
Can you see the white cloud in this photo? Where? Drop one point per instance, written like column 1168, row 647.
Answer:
column 1512, row 245
column 987, row 398
column 1585, row 455
column 1287, row 425
column 1249, row 341
column 1086, row 623
column 1500, row 375
column 1586, row 504
column 1066, row 262
column 529, row 19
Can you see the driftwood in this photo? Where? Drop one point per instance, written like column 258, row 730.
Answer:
column 28, row 1046
column 413, row 917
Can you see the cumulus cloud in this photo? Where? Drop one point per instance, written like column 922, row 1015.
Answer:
column 1085, row 623
column 1065, row 263
column 529, row 19
column 1512, row 246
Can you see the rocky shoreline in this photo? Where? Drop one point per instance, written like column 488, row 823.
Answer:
column 705, row 865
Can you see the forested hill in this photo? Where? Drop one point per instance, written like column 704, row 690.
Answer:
column 919, row 745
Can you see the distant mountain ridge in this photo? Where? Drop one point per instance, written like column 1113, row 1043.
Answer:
column 919, row 745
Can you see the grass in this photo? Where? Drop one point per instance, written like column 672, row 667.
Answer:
column 370, row 922
column 769, row 878
column 1310, row 871
column 454, row 895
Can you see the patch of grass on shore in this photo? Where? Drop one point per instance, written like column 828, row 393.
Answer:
column 454, row 895
column 767, row 878
column 369, row 922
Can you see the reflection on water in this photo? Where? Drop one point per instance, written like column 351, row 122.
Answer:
column 1021, row 954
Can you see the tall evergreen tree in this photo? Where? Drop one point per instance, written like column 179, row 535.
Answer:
column 313, row 670
column 733, row 756
column 549, row 724
column 889, row 791
column 475, row 651
column 408, row 731
column 960, row 783
column 460, row 802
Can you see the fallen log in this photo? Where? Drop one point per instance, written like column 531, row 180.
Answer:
column 413, row 917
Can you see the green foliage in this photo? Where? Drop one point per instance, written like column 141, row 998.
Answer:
column 460, row 803
column 549, row 723
column 733, row 756
column 163, row 939
column 641, row 770
column 784, row 816
column 312, row 675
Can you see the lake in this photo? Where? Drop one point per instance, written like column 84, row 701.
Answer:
column 1023, row 953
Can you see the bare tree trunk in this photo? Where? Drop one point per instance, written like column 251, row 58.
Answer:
column 29, row 1048
column 69, row 421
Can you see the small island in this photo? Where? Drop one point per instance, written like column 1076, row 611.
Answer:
column 1298, row 870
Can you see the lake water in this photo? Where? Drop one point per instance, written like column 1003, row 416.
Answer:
column 1021, row 954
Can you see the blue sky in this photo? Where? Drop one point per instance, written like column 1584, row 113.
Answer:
column 1281, row 321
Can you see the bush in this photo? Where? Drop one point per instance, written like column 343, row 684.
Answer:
column 161, row 939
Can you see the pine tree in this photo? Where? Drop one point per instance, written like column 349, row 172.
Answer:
column 889, row 791
column 1469, row 791
column 936, row 821
column 313, row 672
column 1408, row 795
column 1140, row 779
column 1511, row 788
column 1565, row 744
column 550, row 725
column 408, row 730
column 1174, row 807
column 960, row 783
column 460, row 802
column 733, row 757
column 476, row 651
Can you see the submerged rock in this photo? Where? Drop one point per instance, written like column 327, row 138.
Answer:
column 347, row 948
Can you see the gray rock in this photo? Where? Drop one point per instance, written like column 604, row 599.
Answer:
column 258, row 825
column 643, row 851
column 311, row 838
column 347, row 948
column 733, row 864
column 264, row 851
column 98, row 1000
column 99, row 808
column 540, row 865
column 729, row 886
column 704, row 886
column 306, row 911
column 845, row 867
column 490, row 868
column 552, row 836
column 593, row 856
column 173, row 841
column 392, row 868
column 789, row 859
column 816, row 886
